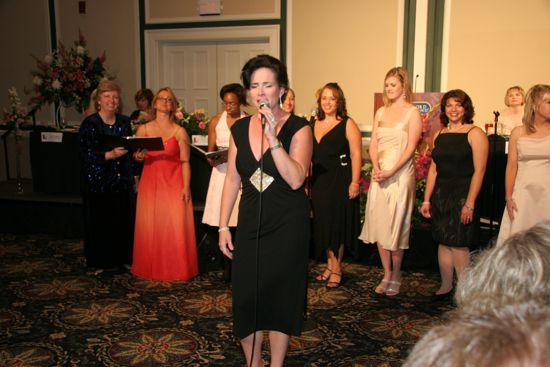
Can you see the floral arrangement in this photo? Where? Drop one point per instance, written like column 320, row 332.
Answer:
column 67, row 77
column 196, row 122
column 16, row 115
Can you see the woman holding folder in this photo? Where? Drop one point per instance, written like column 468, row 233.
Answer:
column 165, row 245
column 108, row 182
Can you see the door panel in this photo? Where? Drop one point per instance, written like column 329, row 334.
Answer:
column 190, row 70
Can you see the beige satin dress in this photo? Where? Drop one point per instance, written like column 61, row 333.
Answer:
column 390, row 203
column 532, row 187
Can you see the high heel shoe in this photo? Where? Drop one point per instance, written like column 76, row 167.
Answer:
column 442, row 297
column 324, row 276
column 382, row 287
column 334, row 284
column 393, row 289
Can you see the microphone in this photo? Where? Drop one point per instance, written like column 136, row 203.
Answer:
column 415, row 79
column 497, row 114
column 263, row 103
column 313, row 116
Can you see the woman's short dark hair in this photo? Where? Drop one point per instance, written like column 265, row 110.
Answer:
column 466, row 102
column 341, row 110
column 145, row 93
column 237, row 90
column 264, row 61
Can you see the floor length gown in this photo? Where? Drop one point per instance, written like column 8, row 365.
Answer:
column 335, row 216
column 108, row 195
column 278, row 270
column 531, row 189
column 388, row 212
column 212, row 205
column 164, row 240
column 453, row 157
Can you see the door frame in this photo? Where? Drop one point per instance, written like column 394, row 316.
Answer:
column 155, row 39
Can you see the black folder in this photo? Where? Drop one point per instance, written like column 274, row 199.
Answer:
column 108, row 142
column 217, row 154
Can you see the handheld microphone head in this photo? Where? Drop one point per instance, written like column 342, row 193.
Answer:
column 264, row 103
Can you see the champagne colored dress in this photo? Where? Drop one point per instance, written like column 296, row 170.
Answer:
column 164, row 240
column 212, row 205
column 531, row 189
column 390, row 203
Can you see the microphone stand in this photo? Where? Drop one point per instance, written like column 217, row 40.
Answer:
column 259, row 225
column 494, row 139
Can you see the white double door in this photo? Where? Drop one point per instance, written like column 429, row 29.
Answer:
column 196, row 71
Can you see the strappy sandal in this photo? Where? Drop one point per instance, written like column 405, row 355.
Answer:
column 322, row 277
column 333, row 284
column 393, row 289
column 382, row 287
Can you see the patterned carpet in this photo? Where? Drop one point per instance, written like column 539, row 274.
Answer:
column 56, row 312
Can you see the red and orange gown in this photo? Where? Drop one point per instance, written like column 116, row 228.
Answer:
column 164, row 239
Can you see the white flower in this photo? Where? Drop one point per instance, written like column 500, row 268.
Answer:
column 80, row 50
column 48, row 58
column 56, row 84
column 37, row 80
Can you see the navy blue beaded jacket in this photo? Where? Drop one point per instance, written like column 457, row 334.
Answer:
column 101, row 175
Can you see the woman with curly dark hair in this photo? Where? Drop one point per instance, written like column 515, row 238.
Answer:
column 453, row 183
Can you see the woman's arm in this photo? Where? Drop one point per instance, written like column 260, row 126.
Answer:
column 185, row 156
column 511, row 172
column 293, row 166
column 425, row 208
column 353, row 135
column 212, row 132
column 415, row 129
column 373, row 146
column 231, row 187
column 480, row 151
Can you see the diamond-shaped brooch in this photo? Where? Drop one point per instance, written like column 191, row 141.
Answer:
column 255, row 180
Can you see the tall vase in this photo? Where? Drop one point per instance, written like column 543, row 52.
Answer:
column 60, row 122
column 18, row 158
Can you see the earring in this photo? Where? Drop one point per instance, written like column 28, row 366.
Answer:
column 280, row 101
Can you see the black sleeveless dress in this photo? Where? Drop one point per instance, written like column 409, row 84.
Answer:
column 335, row 216
column 283, row 242
column 453, row 157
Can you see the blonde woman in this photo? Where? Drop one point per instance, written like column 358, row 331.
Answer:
column 527, row 178
column 165, row 246
column 395, row 134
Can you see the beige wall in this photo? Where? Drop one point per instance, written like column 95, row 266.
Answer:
column 22, row 33
column 110, row 26
column 495, row 44
column 351, row 42
column 492, row 44
column 171, row 9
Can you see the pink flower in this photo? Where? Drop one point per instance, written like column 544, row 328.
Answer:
column 202, row 125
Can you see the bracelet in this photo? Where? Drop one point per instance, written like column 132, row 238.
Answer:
column 469, row 208
column 223, row 229
column 276, row 146
column 426, row 202
column 354, row 183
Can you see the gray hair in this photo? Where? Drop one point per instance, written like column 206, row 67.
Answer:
column 517, row 270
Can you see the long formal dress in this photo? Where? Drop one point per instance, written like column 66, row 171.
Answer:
column 388, row 212
column 531, row 189
column 108, row 196
column 453, row 157
column 164, row 241
column 273, row 265
column 335, row 216
column 212, row 205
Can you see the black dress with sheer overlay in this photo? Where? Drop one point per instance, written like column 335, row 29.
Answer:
column 275, row 266
column 335, row 216
column 452, row 155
